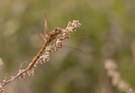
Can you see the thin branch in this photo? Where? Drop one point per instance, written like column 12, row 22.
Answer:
column 44, row 53
column 116, row 79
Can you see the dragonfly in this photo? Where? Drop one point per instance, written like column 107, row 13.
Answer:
column 42, row 36
column 48, row 38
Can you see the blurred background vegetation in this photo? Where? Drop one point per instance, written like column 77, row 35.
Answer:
column 107, row 31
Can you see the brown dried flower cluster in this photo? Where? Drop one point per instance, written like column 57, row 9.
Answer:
column 71, row 27
column 116, row 80
column 58, row 35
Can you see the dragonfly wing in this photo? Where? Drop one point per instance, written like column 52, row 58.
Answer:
column 77, row 49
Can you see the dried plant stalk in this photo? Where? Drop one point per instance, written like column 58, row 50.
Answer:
column 116, row 80
column 71, row 27
column 49, row 37
column 43, row 54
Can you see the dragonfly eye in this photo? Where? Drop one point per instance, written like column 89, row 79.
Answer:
column 58, row 30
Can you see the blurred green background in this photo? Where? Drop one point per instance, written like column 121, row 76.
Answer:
column 107, row 31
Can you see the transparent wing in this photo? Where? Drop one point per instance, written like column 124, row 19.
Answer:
column 45, row 27
column 77, row 49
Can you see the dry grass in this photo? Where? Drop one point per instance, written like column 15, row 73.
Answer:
column 58, row 35
column 116, row 79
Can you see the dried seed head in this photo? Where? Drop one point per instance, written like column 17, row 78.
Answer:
column 31, row 72
column 73, row 26
column 44, row 58
column 110, row 64
column 48, row 49
column 1, row 88
column 66, row 34
column 35, row 66
column 123, row 85
column 4, row 81
column 44, row 53
column 116, row 79
column 22, row 75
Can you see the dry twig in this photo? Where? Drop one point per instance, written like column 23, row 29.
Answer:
column 116, row 80
column 44, row 53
